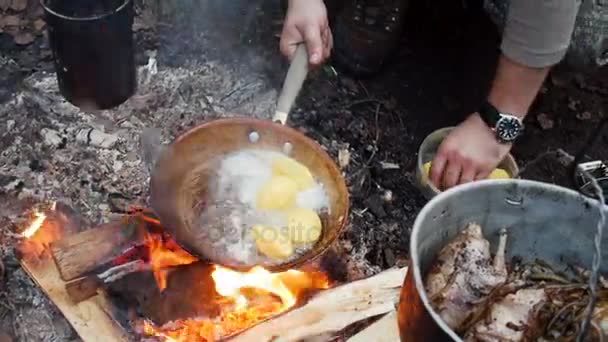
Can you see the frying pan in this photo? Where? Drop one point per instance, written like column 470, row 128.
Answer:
column 180, row 177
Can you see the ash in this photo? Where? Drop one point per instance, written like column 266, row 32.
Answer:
column 232, row 212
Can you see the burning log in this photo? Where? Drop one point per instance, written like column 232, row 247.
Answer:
column 189, row 293
column 332, row 310
column 84, row 252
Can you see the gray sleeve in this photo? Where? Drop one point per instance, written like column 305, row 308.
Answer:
column 537, row 32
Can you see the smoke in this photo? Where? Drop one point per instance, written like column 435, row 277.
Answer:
column 237, row 32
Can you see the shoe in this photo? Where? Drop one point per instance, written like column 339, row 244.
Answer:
column 366, row 33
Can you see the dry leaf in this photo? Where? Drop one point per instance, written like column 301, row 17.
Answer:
column 343, row 158
column 584, row 116
column 39, row 25
column 4, row 4
column 19, row 5
column 24, row 38
column 389, row 166
column 10, row 20
column 545, row 121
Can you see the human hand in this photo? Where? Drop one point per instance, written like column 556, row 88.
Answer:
column 306, row 21
column 470, row 152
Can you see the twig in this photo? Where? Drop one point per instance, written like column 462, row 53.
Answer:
column 115, row 273
column 364, row 101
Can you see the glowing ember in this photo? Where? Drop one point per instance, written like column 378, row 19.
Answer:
column 35, row 225
column 165, row 254
column 247, row 299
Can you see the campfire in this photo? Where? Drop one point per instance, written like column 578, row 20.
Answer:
column 127, row 278
column 242, row 298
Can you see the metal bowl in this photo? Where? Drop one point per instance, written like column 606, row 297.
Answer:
column 428, row 150
column 544, row 221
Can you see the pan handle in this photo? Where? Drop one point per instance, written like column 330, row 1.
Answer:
column 296, row 75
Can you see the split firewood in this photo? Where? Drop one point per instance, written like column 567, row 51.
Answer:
column 84, row 252
column 86, row 287
column 385, row 329
column 332, row 310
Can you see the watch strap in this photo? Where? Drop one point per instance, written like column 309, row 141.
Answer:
column 489, row 114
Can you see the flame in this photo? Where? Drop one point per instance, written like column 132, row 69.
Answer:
column 249, row 298
column 165, row 254
column 229, row 283
column 40, row 217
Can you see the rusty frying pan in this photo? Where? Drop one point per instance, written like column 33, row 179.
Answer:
column 180, row 177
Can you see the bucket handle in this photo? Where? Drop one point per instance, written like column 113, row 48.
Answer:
column 591, row 141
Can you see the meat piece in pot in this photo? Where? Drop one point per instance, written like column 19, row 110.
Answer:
column 463, row 274
column 513, row 318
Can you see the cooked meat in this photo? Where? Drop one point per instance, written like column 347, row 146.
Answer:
column 510, row 319
column 464, row 274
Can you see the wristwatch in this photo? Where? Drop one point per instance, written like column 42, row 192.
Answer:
column 507, row 127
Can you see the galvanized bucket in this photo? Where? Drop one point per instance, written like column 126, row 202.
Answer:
column 544, row 221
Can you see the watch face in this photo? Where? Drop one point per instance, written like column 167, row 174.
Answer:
column 508, row 128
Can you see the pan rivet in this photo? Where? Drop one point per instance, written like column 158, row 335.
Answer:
column 254, row 137
column 287, row 148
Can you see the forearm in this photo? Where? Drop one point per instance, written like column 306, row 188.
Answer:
column 536, row 37
column 515, row 86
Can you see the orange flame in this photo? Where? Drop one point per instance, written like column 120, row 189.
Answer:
column 248, row 300
column 229, row 283
column 165, row 254
column 35, row 225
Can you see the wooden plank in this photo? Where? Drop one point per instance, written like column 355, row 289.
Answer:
column 385, row 329
column 90, row 318
column 332, row 310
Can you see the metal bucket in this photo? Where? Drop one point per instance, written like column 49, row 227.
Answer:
column 93, row 51
column 544, row 221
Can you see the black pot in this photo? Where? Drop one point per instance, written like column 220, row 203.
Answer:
column 92, row 45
